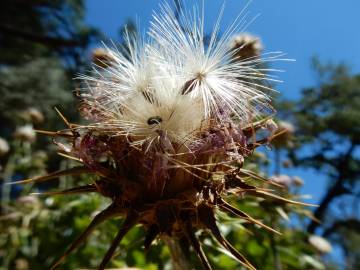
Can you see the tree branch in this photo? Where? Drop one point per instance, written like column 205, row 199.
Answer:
column 351, row 224
column 55, row 42
column 336, row 190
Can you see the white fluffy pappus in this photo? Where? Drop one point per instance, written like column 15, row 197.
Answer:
column 175, row 82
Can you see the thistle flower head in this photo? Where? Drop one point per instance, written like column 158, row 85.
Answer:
column 172, row 120
column 174, row 82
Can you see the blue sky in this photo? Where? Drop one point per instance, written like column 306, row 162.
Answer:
column 329, row 29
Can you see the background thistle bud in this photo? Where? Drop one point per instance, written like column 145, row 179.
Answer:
column 102, row 58
column 25, row 133
column 246, row 46
column 298, row 181
column 282, row 179
column 35, row 115
column 285, row 138
column 320, row 244
column 4, row 147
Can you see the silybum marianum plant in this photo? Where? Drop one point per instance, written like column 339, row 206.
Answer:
column 171, row 120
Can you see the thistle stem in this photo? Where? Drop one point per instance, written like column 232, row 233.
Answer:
column 274, row 249
column 179, row 260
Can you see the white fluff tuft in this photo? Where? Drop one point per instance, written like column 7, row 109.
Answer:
column 175, row 83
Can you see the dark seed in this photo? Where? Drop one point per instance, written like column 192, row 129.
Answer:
column 188, row 87
column 154, row 120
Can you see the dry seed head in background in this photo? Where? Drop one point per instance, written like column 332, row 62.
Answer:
column 171, row 121
column 4, row 147
column 247, row 46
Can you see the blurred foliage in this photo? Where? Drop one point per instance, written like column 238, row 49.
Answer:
column 43, row 28
column 22, row 87
column 43, row 44
column 327, row 120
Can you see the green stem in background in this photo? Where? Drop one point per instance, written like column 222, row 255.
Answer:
column 6, row 177
column 273, row 247
column 6, row 188
column 21, row 150
column 178, row 257
column 274, row 250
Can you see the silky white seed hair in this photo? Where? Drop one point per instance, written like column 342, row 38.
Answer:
column 176, row 83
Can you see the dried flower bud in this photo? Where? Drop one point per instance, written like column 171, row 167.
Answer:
column 282, row 179
column 28, row 200
column 102, row 58
column 21, row 264
column 286, row 131
column 36, row 116
column 287, row 181
column 298, row 181
column 271, row 126
column 289, row 127
column 246, row 46
column 25, row 133
column 32, row 115
column 322, row 245
column 4, row 147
